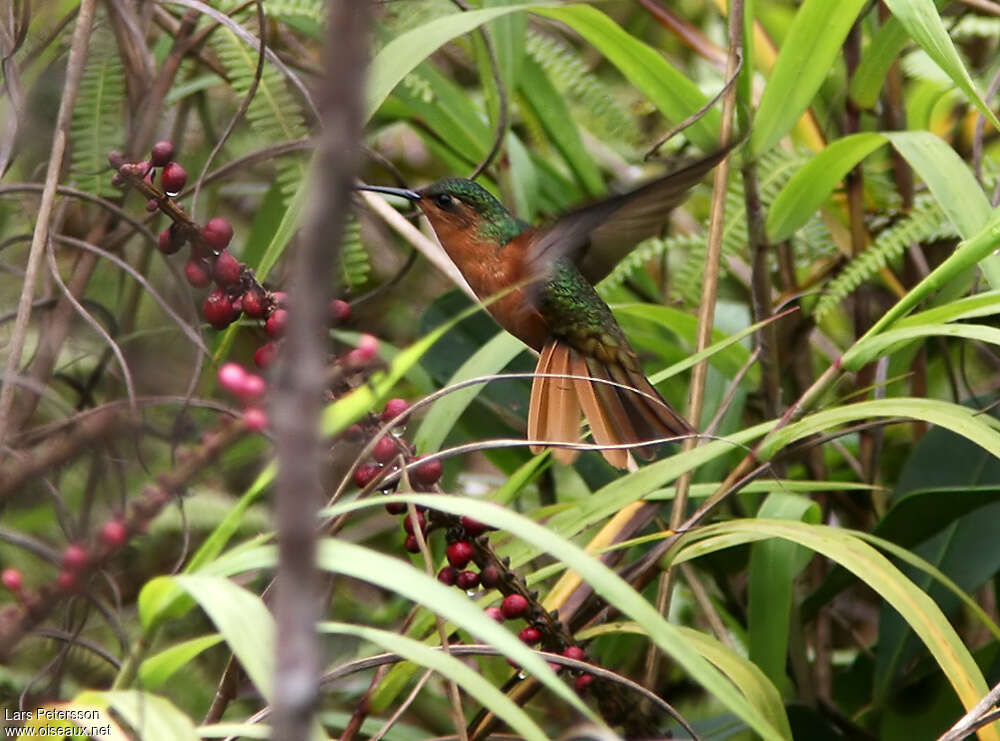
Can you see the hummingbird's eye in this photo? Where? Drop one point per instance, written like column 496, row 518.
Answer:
column 444, row 201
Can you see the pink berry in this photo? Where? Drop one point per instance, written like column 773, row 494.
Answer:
column 367, row 346
column 12, row 579
column 174, row 178
column 67, row 581
column 514, row 606
column 116, row 159
column 197, row 273
column 162, row 153
column 340, row 311
column 393, row 408
column 408, row 523
column 494, row 612
column 232, row 377
column 428, row 473
column 448, row 575
column 255, row 419
column 218, row 309
column 152, row 205
column 460, row 553
column 276, row 323
column 573, row 652
column 411, row 544
column 254, row 387
column 227, row 269
column 583, row 682
column 217, row 233
column 530, row 635
column 280, row 298
column 490, row 576
column 254, row 301
column 468, row 579
column 385, row 450
column 114, row 533
column 75, row 557
column 265, row 355
column 365, row 474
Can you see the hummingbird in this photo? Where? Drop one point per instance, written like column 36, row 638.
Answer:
column 546, row 275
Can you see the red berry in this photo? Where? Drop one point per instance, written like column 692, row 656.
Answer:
column 174, row 178
column 227, row 269
column 218, row 309
column 385, row 450
column 468, row 579
column 171, row 240
column 460, row 553
column 276, row 323
column 67, row 581
column 490, row 576
column 530, row 635
column 474, row 528
column 427, row 473
column 408, row 523
column 152, row 205
column 583, row 682
column 255, row 419
column 340, row 311
column 367, row 347
column 12, row 579
column 232, row 377
column 254, row 301
column 75, row 557
column 494, row 612
column 355, row 433
column 394, row 508
column 116, row 159
column 448, row 575
column 280, row 298
column 365, row 474
column 217, row 233
column 114, row 533
column 573, row 652
column 411, row 544
column 162, row 153
column 197, row 273
column 514, row 606
column 265, row 355
column 393, row 408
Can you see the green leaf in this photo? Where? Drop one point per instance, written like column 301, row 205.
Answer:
column 560, row 128
column 958, row 419
column 364, row 564
column 240, row 617
column 813, row 183
column 810, row 50
column 151, row 716
column 491, row 358
column 774, row 564
column 401, row 55
column 669, row 89
column 159, row 667
column 922, row 21
column 447, row 666
column 866, row 350
column 846, row 549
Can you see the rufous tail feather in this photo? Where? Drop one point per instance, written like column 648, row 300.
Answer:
column 621, row 406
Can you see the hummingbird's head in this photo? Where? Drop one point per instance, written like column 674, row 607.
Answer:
column 461, row 212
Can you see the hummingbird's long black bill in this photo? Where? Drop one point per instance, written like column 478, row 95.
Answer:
column 410, row 195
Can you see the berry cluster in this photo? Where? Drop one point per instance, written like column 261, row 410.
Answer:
column 471, row 562
column 248, row 389
column 75, row 560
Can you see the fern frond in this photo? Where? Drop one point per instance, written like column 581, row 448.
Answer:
column 925, row 222
column 355, row 266
column 97, row 125
column 601, row 111
column 650, row 249
column 274, row 114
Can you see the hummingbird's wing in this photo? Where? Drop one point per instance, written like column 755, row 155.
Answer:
column 598, row 236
